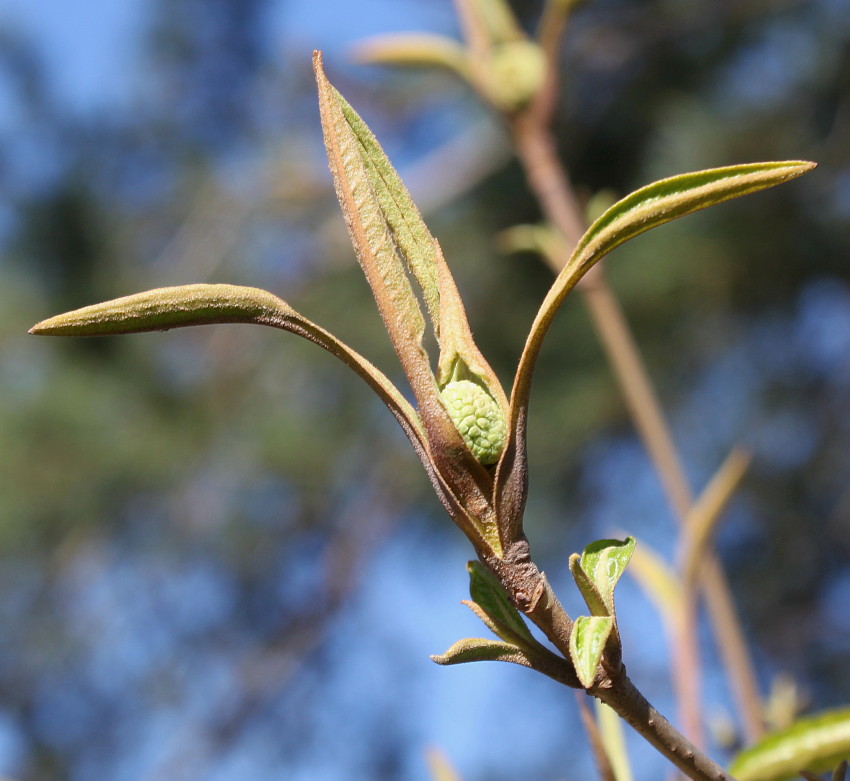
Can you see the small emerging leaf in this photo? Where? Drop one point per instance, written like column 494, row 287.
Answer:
column 815, row 744
column 479, row 649
column 489, row 595
column 587, row 644
column 597, row 571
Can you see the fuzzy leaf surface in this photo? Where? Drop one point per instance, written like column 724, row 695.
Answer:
column 587, row 644
column 646, row 208
column 816, row 743
column 391, row 240
column 488, row 594
column 479, row 649
column 188, row 305
column 169, row 307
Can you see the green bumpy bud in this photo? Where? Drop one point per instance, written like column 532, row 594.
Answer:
column 477, row 417
column 515, row 73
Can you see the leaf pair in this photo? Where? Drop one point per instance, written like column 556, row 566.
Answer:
column 516, row 644
column 596, row 573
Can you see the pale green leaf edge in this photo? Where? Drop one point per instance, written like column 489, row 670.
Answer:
column 816, row 743
column 480, row 649
column 596, row 561
column 593, row 598
column 648, row 207
column 587, row 644
column 208, row 304
column 486, row 592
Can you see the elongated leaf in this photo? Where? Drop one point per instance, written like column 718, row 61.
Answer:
column 390, row 238
column 372, row 239
column 170, row 307
column 479, row 649
column 587, row 644
column 421, row 254
column 645, row 208
column 204, row 304
column 816, row 744
column 488, row 594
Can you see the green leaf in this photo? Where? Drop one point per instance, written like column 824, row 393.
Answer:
column 597, row 571
column 391, row 240
column 374, row 242
column 488, row 594
column 816, row 744
column 587, row 644
column 479, row 649
column 170, row 307
column 645, row 208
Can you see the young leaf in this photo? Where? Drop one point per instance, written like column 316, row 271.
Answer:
column 488, row 594
column 643, row 209
column 187, row 305
column 170, row 307
column 422, row 255
column 587, row 644
column 479, row 649
column 597, row 571
column 815, row 744
column 372, row 238
column 390, row 238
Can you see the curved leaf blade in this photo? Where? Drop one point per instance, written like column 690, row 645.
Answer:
column 648, row 207
column 587, row 644
column 604, row 561
column 488, row 594
column 816, row 744
column 169, row 307
column 479, row 649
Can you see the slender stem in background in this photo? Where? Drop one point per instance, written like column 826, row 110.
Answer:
column 549, row 181
column 594, row 737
